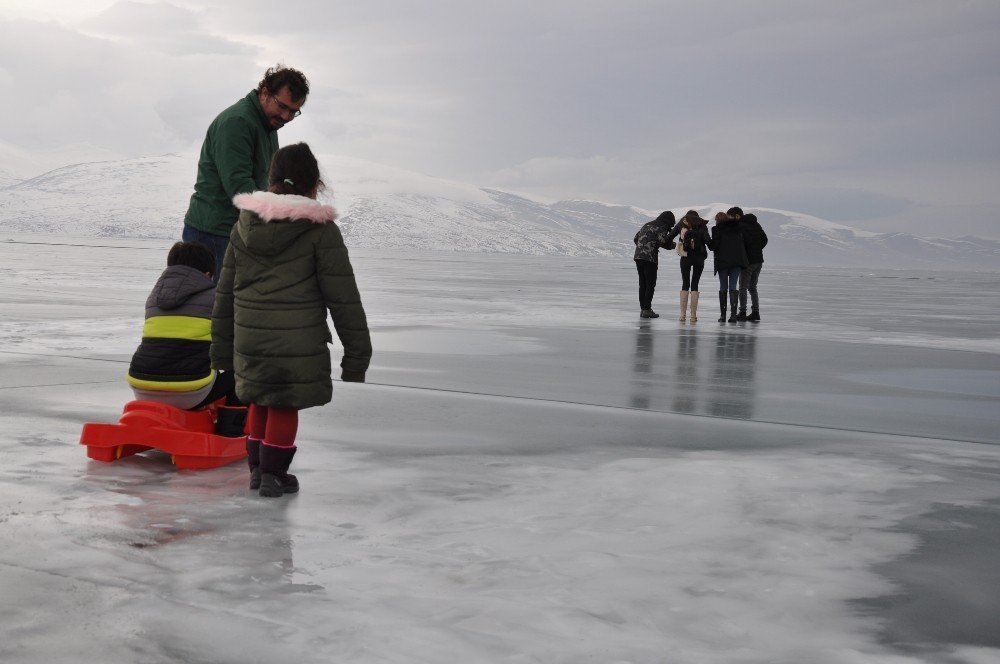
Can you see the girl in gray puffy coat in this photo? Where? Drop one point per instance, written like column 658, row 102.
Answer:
column 286, row 272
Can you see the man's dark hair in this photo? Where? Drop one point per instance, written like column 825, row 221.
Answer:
column 192, row 254
column 280, row 76
column 666, row 217
column 294, row 170
column 735, row 211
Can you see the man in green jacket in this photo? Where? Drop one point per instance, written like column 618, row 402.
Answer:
column 236, row 155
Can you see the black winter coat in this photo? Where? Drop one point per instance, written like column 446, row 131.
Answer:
column 700, row 229
column 728, row 246
column 176, row 336
column 755, row 240
column 649, row 239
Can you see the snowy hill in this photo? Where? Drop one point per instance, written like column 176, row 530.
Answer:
column 386, row 207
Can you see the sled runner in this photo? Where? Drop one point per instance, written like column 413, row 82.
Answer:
column 188, row 436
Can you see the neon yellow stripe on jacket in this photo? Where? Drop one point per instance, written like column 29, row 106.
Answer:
column 191, row 328
column 165, row 386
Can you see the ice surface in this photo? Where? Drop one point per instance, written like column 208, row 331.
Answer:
column 531, row 474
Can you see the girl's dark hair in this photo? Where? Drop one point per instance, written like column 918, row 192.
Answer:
column 280, row 76
column 192, row 254
column 294, row 170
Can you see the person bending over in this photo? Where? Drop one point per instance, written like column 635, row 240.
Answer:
column 648, row 241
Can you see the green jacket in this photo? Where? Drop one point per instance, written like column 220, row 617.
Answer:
column 286, row 265
column 235, row 158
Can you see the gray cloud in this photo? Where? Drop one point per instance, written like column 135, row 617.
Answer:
column 114, row 94
column 163, row 27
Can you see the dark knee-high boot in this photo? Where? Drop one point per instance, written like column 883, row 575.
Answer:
column 733, row 297
column 722, row 305
column 755, row 309
column 275, row 481
column 230, row 421
column 253, row 460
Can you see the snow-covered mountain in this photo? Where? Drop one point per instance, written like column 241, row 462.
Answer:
column 800, row 239
column 385, row 207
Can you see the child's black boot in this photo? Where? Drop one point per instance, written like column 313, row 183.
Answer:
column 275, row 481
column 253, row 460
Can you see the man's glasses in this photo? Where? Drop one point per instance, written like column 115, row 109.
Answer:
column 285, row 108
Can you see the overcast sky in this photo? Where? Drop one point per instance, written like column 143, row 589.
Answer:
column 883, row 114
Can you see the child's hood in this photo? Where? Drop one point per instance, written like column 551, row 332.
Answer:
column 177, row 285
column 278, row 219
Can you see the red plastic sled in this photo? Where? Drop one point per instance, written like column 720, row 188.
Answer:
column 188, row 436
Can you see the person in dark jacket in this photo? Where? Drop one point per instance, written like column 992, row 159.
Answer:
column 730, row 260
column 236, row 154
column 648, row 241
column 285, row 268
column 755, row 240
column 171, row 364
column 692, row 242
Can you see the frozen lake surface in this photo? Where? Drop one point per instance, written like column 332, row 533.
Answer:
column 531, row 474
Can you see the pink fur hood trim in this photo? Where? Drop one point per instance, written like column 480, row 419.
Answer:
column 273, row 207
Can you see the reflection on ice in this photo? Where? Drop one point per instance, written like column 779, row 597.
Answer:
column 689, row 388
column 643, row 360
column 711, row 373
column 733, row 369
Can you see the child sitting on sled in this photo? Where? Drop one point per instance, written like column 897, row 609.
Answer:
column 172, row 364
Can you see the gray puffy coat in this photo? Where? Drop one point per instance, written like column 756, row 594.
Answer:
column 286, row 266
